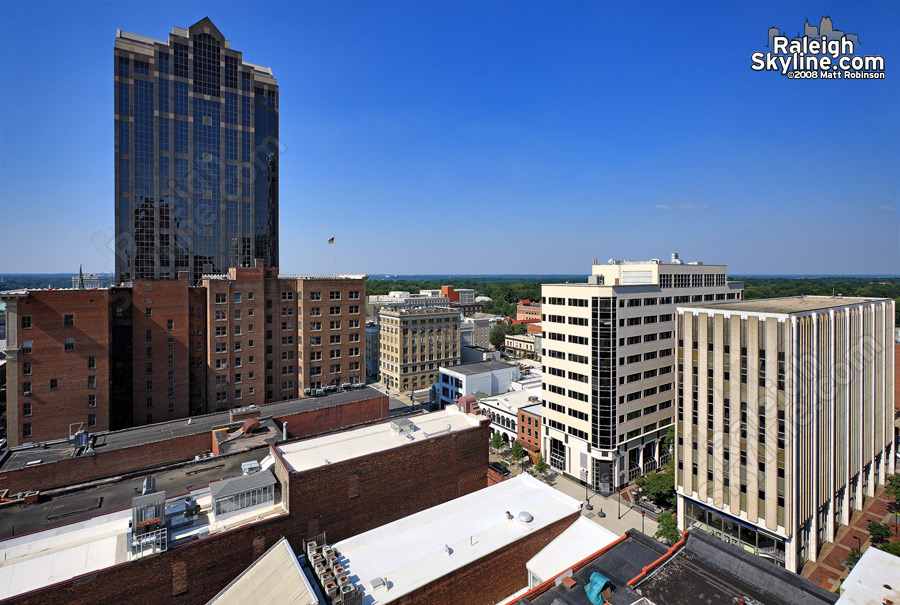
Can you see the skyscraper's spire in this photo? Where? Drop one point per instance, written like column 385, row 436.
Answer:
column 80, row 278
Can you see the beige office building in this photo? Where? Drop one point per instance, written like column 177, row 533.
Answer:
column 608, row 351
column 415, row 343
column 785, row 419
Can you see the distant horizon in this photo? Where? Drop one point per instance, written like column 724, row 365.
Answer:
column 489, row 136
column 423, row 276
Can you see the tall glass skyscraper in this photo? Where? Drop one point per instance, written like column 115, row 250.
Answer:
column 196, row 156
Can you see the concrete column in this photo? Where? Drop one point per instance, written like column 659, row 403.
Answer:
column 832, row 417
column 814, row 464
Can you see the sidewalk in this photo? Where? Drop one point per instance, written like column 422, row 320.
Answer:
column 630, row 519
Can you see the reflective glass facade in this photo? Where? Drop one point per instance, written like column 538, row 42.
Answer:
column 196, row 156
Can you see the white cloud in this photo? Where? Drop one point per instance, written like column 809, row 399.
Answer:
column 685, row 207
column 887, row 208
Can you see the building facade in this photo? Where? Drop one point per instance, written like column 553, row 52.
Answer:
column 196, row 154
column 527, row 310
column 415, row 343
column 520, row 345
column 476, row 331
column 487, row 377
column 58, row 370
column 529, row 435
column 608, row 351
column 785, row 419
column 159, row 350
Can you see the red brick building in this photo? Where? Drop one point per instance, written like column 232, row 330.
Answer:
column 529, row 430
column 161, row 350
column 165, row 349
column 58, row 363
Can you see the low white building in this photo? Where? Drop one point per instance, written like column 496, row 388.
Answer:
column 488, row 377
column 520, row 345
column 579, row 541
column 504, row 411
column 493, row 524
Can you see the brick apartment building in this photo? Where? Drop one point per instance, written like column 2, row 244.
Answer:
column 158, row 350
column 529, row 430
column 58, row 360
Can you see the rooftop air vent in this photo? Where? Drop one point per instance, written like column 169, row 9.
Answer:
column 525, row 517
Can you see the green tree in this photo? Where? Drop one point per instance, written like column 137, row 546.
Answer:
column 496, row 441
column 893, row 489
column 517, row 329
column 540, row 466
column 659, row 487
column 517, row 452
column 879, row 532
column 891, row 548
column 853, row 557
column 669, row 448
column 667, row 528
column 498, row 336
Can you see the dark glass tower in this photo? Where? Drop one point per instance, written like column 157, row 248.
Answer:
column 196, row 156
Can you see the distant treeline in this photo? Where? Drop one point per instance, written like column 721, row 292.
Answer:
column 506, row 292
column 36, row 280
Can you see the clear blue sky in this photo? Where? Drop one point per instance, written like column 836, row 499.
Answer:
column 489, row 136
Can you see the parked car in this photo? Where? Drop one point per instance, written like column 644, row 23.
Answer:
column 499, row 468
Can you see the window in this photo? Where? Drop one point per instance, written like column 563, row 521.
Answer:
column 170, row 324
column 92, row 401
column 335, row 295
column 221, row 298
column 237, row 297
column 92, row 362
column 92, row 382
column 26, row 368
column 148, row 311
column 53, row 383
column 69, row 344
column 26, row 408
column 315, row 296
column 26, row 322
column 68, row 320
column 26, row 388
column 92, row 420
column 27, row 347
column 26, row 430
column 170, row 343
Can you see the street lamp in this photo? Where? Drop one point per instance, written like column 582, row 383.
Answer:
column 587, row 498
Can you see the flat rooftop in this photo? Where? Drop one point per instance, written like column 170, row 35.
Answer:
column 479, row 367
column 511, row 401
column 582, row 539
column 785, row 306
column 21, row 456
column 419, row 549
column 34, row 561
column 337, row 447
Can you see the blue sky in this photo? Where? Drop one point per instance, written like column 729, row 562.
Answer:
column 488, row 137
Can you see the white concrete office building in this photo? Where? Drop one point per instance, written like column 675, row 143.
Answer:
column 609, row 364
column 785, row 419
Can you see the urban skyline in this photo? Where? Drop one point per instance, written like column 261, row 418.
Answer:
column 510, row 112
